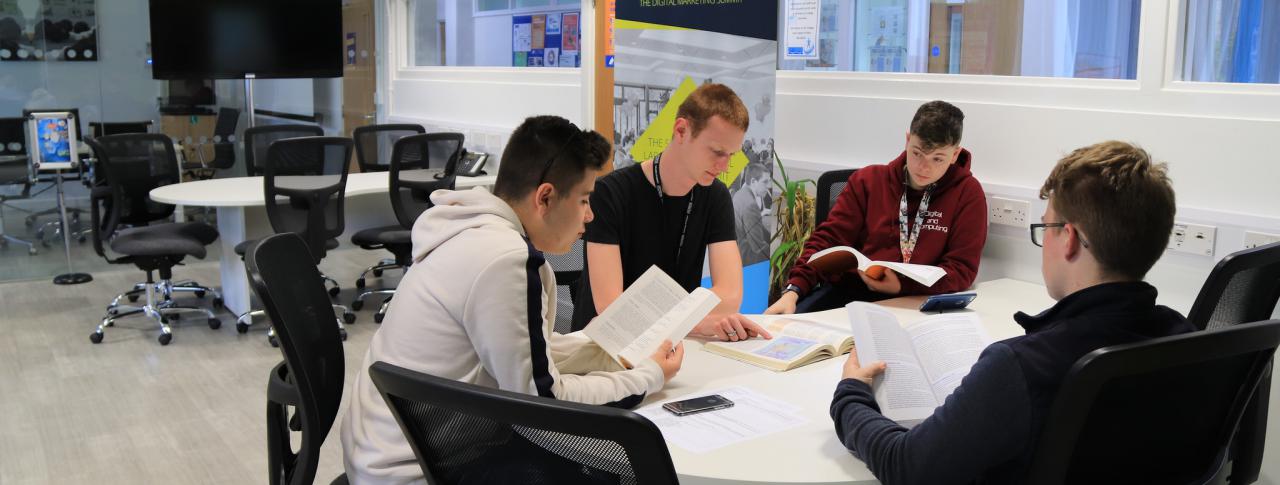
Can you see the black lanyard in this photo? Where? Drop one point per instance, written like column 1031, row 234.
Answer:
column 657, row 182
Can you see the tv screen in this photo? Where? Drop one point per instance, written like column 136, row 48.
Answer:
column 228, row 39
column 190, row 92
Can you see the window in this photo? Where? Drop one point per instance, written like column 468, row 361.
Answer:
column 1057, row 38
column 1236, row 41
column 532, row 33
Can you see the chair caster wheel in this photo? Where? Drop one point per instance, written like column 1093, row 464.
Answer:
column 377, row 317
column 32, row 251
column 271, row 339
column 215, row 323
column 360, row 283
column 348, row 318
column 377, row 273
column 133, row 298
column 334, row 291
column 199, row 294
column 165, row 338
column 242, row 327
column 95, row 338
column 80, row 239
column 357, row 305
column 342, row 332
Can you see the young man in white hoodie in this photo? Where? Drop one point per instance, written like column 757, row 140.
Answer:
column 479, row 302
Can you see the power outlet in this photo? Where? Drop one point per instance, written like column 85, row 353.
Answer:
column 1254, row 239
column 1192, row 238
column 1009, row 212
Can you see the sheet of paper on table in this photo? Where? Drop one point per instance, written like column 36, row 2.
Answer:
column 752, row 416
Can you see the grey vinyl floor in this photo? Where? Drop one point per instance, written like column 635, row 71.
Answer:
column 130, row 411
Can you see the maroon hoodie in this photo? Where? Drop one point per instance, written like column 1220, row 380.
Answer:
column 865, row 217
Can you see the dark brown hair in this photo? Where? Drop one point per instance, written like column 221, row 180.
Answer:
column 713, row 100
column 938, row 124
column 1120, row 200
column 548, row 145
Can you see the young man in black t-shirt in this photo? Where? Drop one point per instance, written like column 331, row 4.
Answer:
column 674, row 217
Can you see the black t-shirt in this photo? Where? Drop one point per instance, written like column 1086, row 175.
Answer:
column 626, row 205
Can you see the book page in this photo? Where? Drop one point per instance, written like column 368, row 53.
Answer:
column 627, row 318
column 947, row 346
column 778, row 353
column 903, row 391
column 806, row 329
column 673, row 325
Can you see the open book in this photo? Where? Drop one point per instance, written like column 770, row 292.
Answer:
column 795, row 343
column 837, row 260
column 926, row 359
column 654, row 308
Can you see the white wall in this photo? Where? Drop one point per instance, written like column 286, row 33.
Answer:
column 117, row 87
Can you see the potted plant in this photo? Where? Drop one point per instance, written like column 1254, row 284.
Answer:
column 795, row 209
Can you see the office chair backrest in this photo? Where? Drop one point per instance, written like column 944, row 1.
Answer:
column 287, row 281
column 420, row 165
column 830, row 185
column 13, row 152
column 1160, row 411
column 374, row 144
column 104, row 128
column 75, row 113
column 568, row 268
column 1243, row 287
column 131, row 166
column 305, row 182
column 457, row 429
column 224, row 136
column 258, row 140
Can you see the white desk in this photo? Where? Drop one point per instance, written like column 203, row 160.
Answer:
column 811, row 453
column 242, row 216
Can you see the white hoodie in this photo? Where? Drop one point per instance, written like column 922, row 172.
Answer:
column 464, row 311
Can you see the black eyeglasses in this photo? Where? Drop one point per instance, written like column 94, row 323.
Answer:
column 1037, row 233
column 551, row 161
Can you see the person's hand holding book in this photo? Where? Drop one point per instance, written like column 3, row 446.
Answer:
column 730, row 327
column 669, row 358
column 888, row 283
column 865, row 374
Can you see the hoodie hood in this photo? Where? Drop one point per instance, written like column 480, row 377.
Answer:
column 956, row 173
column 459, row 210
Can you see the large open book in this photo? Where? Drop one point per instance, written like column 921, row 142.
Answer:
column 926, row 359
column 837, row 260
column 795, row 342
column 654, row 308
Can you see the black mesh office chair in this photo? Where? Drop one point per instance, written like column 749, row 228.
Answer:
column 568, row 268
column 1243, row 287
column 224, row 147
column 420, row 165
column 52, row 230
column 15, row 175
column 462, row 433
column 1160, row 411
column 830, row 185
column 374, row 144
column 258, row 140
column 285, row 278
column 99, row 129
column 134, row 164
column 304, row 184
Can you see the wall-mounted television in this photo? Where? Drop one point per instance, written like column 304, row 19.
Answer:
column 229, row 39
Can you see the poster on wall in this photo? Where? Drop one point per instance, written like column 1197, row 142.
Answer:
column 546, row 40
column 54, row 30
column 802, row 29
column 737, row 46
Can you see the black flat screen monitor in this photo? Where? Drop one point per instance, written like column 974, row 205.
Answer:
column 190, row 93
column 229, row 39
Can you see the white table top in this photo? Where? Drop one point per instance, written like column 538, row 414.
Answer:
column 247, row 191
column 811, row 453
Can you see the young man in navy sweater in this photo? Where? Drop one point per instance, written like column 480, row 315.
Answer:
column 1109, row 216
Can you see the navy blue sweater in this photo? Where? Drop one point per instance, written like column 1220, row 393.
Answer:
column 986, row 431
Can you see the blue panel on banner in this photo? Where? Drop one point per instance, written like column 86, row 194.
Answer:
column 935, row 52
column 795, row 51
column 755, row 288
column 608, row 61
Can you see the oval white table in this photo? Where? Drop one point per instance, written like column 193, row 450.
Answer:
column 810, row 453
column 242, row 215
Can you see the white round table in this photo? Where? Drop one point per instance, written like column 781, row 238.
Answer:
column 242, row 215
column 811, row 453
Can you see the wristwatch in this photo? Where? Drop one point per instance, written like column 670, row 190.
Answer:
column 794, row 288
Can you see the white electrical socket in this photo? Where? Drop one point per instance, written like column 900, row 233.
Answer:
column 1253, row 239
column 1192, row 238
column 1009, row 212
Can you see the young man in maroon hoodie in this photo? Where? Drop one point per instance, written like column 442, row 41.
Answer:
column 924, row 207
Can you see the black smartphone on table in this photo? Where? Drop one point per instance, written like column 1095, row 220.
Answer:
column 951, row 301
column 698, row 405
